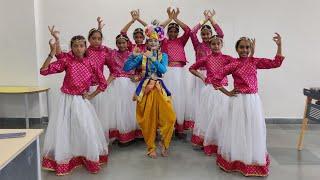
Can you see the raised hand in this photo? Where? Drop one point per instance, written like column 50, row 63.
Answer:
column 53, row 50
column 176, row 13
column 170, row 12
column 207, row 14
column 54, row 33
column 53, row 47
column 134, row 15
column 252, row 46
column 212, row 13
column 100, row 23
column 277, row 39
column 137, row 15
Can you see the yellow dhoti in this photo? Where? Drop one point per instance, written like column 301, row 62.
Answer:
column 155, row 110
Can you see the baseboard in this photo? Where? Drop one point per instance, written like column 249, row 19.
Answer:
column 21, row 121
column 288, row 121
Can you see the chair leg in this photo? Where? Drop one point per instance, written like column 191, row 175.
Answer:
column 304, row 124
column 304, row 127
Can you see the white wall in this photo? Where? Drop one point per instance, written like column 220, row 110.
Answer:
column 18, row 59
column 280, row 89
column 17, row 47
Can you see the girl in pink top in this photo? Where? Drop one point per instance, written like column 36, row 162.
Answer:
column 97, row 54
column 242, row 144
column 118, row 126
column 74, row 136
column 175, row 77
column 138, row 34
column 118, row 118
column 96, row 51
column 212, row 103
column 202, row 49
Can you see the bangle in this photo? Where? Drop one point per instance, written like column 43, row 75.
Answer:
column 49, row 55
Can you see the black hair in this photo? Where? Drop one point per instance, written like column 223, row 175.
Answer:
column 216, row 37
column 241, row 39
column 94, row 30
column 206, row 27
column 138, row 30
column 78, row 37
column 173, row 25
column 122, row 36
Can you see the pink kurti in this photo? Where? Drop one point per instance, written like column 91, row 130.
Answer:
column 80, row 73
column 115, row 61
column 97, row 55
column 244, row 72
column 213, row 64
column 131, row 46
column 175, row 48
column 203, row 49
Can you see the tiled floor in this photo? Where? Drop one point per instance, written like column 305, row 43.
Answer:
column 130, row 163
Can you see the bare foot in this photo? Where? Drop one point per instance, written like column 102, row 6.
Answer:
column 164, row 151
column 152, row 155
